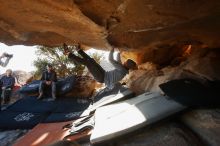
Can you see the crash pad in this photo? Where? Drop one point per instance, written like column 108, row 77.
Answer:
column 43, row 134
column 108, row 97
column 31, row 104
column 47, row 133
column 61, row 117
column 30, row 88
column 69, row 105
column 64, row 85
column 132, row 114
column 193, row 93
column 20, row 120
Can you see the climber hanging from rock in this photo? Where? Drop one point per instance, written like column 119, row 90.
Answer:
column 110, row 78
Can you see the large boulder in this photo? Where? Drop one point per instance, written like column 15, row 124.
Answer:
column 83, row 88
column 201, row 64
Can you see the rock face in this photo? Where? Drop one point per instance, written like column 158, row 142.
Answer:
column 169, row 39
column 84, row 87
column 205, row 123
column 162, row 134
column 8, row 137
column 200, row 64
column 128, row 24
column 48, row 23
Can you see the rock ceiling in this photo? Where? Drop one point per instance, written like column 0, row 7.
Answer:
column 128, row 24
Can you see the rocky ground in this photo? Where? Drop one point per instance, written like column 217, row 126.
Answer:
column 7, row 138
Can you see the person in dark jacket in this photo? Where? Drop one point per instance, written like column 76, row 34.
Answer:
column 110, row 78
column 7, row 84
column 48, row 80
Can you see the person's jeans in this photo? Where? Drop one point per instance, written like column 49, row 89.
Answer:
column 94, row 68
column 43, row 86
column 5, row 95
column 4, row 64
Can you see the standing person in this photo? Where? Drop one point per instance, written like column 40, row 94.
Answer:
column 110, row 78
column 48, row 79
column 8, row 57
column 7, row 84
column 4, row 64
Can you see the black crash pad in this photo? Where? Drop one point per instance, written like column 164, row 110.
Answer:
column 192, row 93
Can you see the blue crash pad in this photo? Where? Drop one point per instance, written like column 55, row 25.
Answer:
column 68, row 109
column 64, row 85
column 20, row 120
column 31, row 104
column 62, row 117
column 69, row 105
column 30, row 88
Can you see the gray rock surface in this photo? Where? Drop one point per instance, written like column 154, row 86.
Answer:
column 7, row 138
column 162, row 134
column 206, row 124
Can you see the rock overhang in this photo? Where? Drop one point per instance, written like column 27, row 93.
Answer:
column 134, row 26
